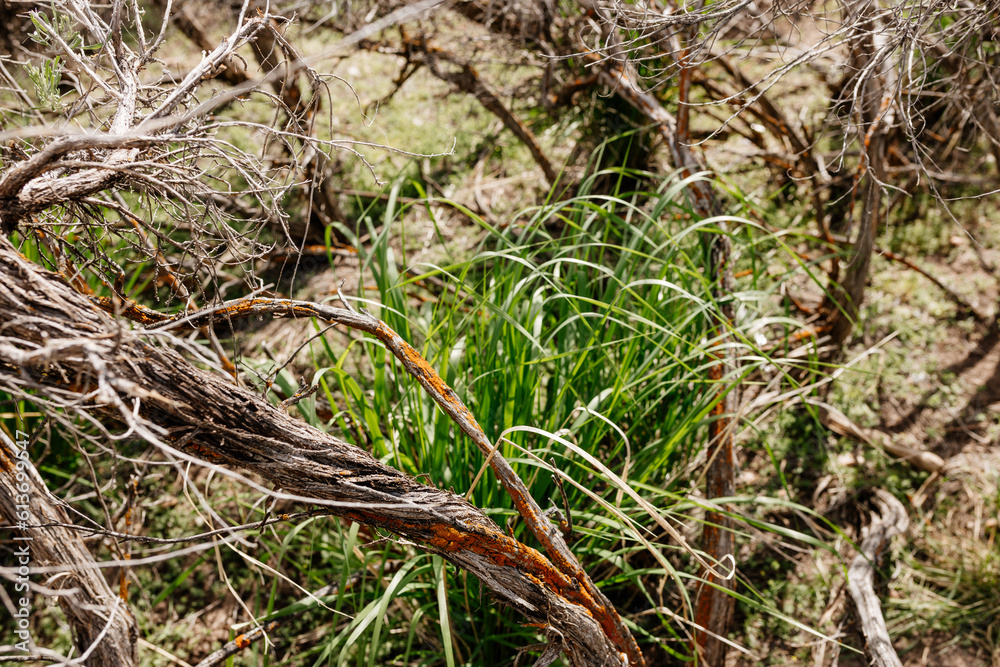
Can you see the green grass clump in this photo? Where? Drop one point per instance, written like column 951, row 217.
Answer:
column 580, row 334
column 580, row 331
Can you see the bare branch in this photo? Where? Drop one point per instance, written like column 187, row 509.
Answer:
column 159, row 395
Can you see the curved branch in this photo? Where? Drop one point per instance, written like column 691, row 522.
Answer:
column 537, row 521
column 167, row 400
column 861, row 578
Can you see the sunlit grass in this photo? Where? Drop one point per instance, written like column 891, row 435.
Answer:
column 581, row 331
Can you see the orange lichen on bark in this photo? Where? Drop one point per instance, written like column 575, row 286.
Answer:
column 123, row 585
column 440, row 391
column 5, row 463
column 130, row 310
column 572, row 581
column 500, row 550
column 560, row 573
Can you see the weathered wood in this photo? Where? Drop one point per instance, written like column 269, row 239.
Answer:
column 714, row 606
column 104, row 628
column 861, row 578
column 33, row 186
column 537, row 521
column 58, row 342
column 838, row 422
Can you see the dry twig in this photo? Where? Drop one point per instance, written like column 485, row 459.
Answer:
column 861, row 578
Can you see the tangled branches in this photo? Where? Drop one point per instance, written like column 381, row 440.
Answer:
column 187, row 179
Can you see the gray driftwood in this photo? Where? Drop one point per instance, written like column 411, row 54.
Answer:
column 861, row 578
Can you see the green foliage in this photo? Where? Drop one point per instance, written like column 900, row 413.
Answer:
column 45, row 79
column 589, row 320
column 52, row 32
column 59, row 26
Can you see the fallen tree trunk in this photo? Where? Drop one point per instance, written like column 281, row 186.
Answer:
column 104, row 629
column 861, row 578
column 59, row 344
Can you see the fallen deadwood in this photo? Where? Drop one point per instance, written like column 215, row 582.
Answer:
column 233, row 647
column 861, row 578
column 104, row 629
column 838, row 422
column 59, row 345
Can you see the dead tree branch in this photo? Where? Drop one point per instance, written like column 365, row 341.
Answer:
column 537, row 520
column 56, row 342
column 31, row 187
column 440, row 63
column 861, row 578
column 234, row 71
column 104, row 629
